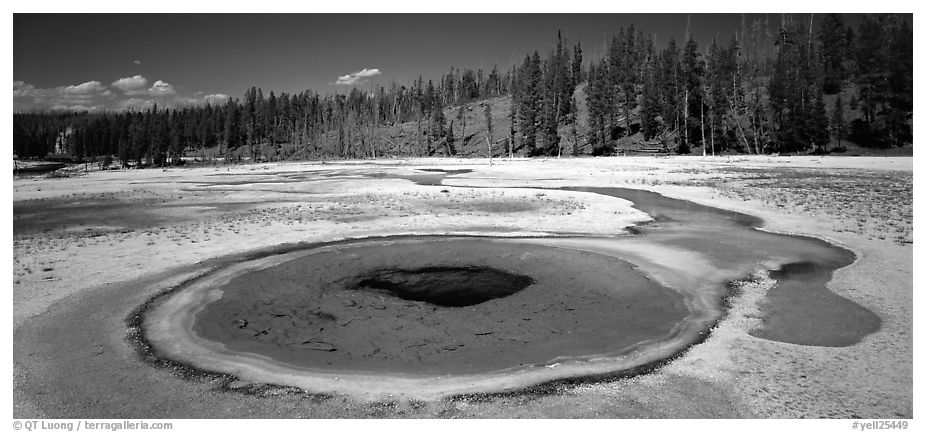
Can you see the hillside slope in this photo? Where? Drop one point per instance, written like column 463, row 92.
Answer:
column 471, row 140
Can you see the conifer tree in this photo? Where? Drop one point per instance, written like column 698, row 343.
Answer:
column 438, row 126
column 578, row 73
column 628, row 75
column 650, row 109
column 693, row 86
column 554, row 97
column 898, row 112
column 838, row 122
column 870, row 57
column 668, row 81
column 834, row 50
column 530, row 101
column 598, row 108
column 818, row 130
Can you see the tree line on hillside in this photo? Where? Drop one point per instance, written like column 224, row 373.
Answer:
column 790, row 89
column 306, row 124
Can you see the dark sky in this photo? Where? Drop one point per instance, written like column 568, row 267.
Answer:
column 184, row 58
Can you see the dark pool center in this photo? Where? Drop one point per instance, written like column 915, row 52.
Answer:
column 447, row 286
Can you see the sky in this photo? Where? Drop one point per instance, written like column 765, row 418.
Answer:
column 130, row 61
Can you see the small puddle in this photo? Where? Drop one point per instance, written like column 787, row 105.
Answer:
column 71, row 214
column 446, row 171
column 435, row 176
column 800, row 309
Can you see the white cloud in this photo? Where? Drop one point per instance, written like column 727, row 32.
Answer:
column 216, row 99
column 161, row 88
column 133, row 83
column 138, row 62
column 81, row 97
column 88, row 87
column 21, row 89
column 356, row 77
column 130, row 93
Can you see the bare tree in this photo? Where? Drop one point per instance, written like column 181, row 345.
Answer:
column 488, row 114
column 461, row 116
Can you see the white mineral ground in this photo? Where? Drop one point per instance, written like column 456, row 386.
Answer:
column 74, row 289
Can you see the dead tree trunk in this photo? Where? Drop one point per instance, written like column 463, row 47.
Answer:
column 739, row 127
column 711, row 114
column 575, row 138
column 703, row 141
column 757, row 129
column 418, row 139
column 372, row 146
column 463, row 127
column 685, row 119
column 510, row 144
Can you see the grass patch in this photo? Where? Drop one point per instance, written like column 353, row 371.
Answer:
column 873, row 204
